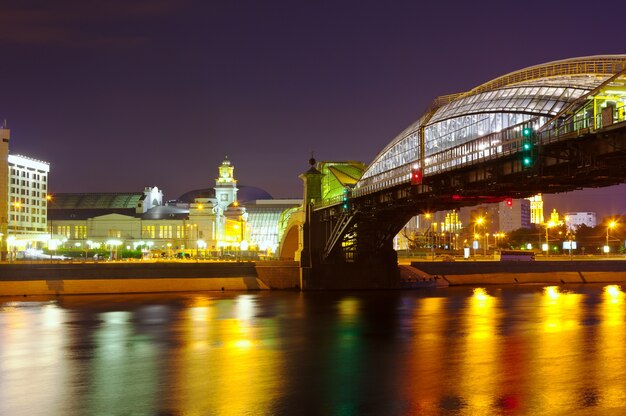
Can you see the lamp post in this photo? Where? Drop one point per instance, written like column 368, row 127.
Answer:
column 486, row 243
column 478, row 221
column 610, row 225
column 428, row 216
column 18, row 209
column 548, row 225
column 48, row 199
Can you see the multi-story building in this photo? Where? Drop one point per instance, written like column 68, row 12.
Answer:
column 28, row 188
column 23, row 202
column 536, row 209
column 575, row 219
column 5, row 134
column 513, row 215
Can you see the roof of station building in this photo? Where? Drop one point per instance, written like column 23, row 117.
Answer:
column 244, row 193
column 95, row 200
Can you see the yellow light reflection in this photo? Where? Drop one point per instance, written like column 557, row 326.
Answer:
column 614, row 293
column 556, row 351
column 429, row 341
column 552, row 292
column 228, row 363
column 348, row 307
column 481, row 374
column 611, row 356
column 33, row 358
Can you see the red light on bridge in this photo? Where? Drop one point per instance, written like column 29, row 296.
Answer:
column 416, row 176
column 508, row 202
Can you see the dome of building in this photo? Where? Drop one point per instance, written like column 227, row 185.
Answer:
column 244, row 194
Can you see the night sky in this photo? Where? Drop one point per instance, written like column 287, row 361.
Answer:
column 121, row 94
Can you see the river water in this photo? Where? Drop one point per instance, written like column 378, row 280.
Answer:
column 524, row 350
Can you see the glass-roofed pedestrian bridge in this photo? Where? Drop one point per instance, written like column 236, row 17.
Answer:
column 467, row 127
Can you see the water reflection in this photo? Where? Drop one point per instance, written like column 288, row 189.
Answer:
column 459, row 351
column 610, row 362
column 479, row 379
column 556, row 355
column 423, row 384
column 227, row 362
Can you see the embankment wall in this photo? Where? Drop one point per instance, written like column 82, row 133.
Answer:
column 511, row 272
column 94, row 278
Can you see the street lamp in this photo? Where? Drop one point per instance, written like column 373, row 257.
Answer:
column 610, row 225
column 478, row 221
column 17, row 205
column 547, row 245
column 486, row 243
column 428, row 216
column 48, row 199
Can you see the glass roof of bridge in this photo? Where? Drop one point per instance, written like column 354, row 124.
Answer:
column 538, row 90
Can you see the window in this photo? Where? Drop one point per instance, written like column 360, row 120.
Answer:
column 165, row 231
column 147, row 231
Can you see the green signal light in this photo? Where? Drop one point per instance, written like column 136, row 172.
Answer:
column 527, row 131
column 526, row 146
column 527, row 161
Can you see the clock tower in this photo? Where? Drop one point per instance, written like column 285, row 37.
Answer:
column 226, row 185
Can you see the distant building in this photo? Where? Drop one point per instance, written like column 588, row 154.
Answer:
column 5, row 135
column 514, row 215
column 28, row 188
column 536, row 209
column 23, row 203
column 574, row 220
column 498, row 217
column 202, row 222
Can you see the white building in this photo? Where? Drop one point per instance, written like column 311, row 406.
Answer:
column 203, row 222
column 27, row 203
column 575, row 219
column 514, row 214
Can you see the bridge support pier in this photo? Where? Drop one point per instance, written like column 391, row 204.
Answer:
column 366, row 268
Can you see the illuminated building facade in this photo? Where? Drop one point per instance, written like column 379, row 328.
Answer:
column 574, row 220
column 28, row 187
column 203, row 222
column 23, row 190
column 536, row 209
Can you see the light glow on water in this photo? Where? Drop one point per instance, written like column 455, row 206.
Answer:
column 524, row 350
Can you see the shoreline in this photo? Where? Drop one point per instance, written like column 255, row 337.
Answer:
column 30, row 279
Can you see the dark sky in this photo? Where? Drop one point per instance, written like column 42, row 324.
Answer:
column 122, row 94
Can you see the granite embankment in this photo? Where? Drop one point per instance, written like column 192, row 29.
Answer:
column 511, row 272
column 139, row 277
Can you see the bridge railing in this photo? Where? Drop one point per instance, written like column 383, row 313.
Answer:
column 580, row 123
column 496, row 145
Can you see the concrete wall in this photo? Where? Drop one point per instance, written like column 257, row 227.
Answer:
column 556, row 272
column 279, row 274
column 92, row 278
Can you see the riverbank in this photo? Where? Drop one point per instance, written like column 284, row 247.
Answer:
column 25, row 279
column 521, row 272
column 19, row 279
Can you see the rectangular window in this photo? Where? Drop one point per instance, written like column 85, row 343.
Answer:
column 80, row 232
column 147, row 231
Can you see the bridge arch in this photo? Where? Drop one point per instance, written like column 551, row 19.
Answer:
column 291, row 241
column 534, row 95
